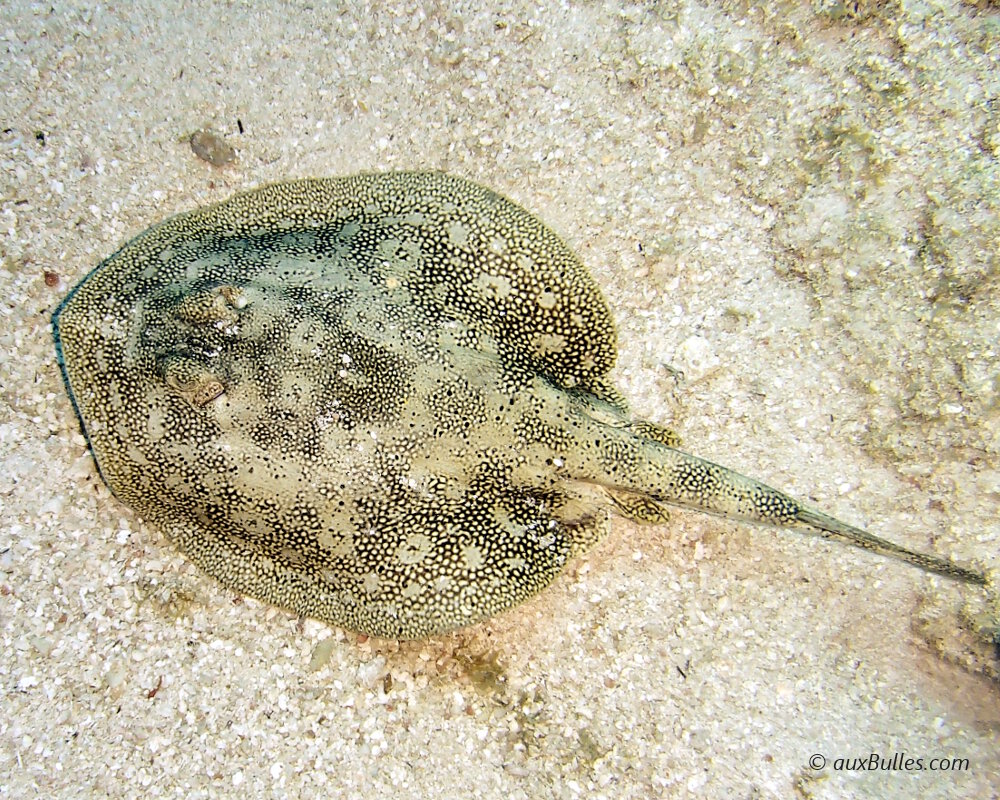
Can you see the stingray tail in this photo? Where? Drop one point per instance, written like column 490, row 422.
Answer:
column 818, row 522
column 655, row 475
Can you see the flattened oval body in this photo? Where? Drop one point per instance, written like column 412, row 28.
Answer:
column 329, row 393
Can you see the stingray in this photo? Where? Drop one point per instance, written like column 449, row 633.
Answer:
column 381, row 401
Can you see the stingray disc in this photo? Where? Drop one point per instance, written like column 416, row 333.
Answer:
column 326, row 392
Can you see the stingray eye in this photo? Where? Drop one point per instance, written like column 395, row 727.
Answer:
column 191, row 379
column 219, row 304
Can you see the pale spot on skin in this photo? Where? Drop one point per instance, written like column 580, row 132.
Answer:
column 516, row 563
column 371, row 583
column 156, row 423
column 336, row 544
column 413, row 589
column 549, row 343
column 416, row 548
column 547, row 301
column 492, row 287
column 472, row 557
column 457, row 233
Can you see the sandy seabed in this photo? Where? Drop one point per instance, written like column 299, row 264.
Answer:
column 792, row 208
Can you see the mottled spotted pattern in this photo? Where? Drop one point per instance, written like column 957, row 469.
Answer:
column 379, row 400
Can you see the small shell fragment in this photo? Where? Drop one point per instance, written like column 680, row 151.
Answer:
column 211, row 147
